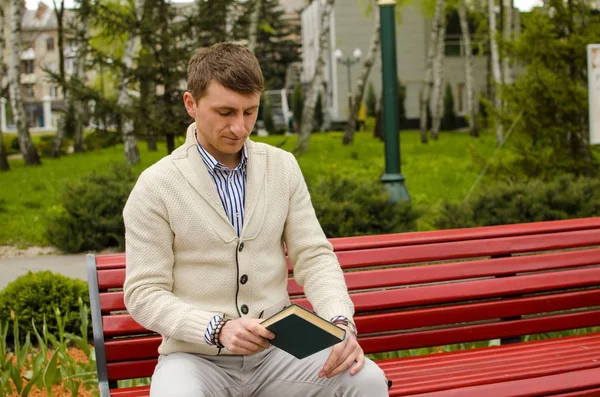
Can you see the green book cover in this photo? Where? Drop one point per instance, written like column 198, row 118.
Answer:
column 301, row 332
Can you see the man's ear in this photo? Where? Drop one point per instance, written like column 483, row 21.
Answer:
column 190, row 104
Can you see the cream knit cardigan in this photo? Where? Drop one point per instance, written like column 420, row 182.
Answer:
column 185, row 260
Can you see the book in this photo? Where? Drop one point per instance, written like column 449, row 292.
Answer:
column 301, row 332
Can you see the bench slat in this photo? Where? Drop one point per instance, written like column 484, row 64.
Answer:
column 538, row 386
column 131, row 369
column 479, row 332
column 140, row 391
column 435, row 316
column 475, row 233
column 467, row 249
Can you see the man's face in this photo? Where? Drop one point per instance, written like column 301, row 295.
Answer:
column 224, row 119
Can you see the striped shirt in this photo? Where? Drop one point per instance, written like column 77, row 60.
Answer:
column 231, row 185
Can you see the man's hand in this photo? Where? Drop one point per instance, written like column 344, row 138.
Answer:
column 245, row 336
column 343, row 356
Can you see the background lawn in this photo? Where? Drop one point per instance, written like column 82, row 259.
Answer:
column 440, row 170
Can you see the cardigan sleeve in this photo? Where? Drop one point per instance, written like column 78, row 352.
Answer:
column 316, row 267
column 149, row 269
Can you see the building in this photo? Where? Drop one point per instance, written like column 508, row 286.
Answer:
column 41, row 97
column 351, row 28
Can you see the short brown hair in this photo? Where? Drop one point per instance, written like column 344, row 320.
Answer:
column 231, row 65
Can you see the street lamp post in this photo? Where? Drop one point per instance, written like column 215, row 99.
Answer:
column 348, row 62
column 393, row 178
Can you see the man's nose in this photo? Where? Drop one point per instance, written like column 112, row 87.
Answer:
column 237, row 126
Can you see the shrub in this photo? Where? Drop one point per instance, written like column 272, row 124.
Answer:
column 34, row 296
column 268, row 115
column 45, row 143
column 298, row 104
column 101, row 139
column 348, row 206
column 565, row 198
column 89, row 216
column 319, row 115
column 371, row 101
column 449, row 120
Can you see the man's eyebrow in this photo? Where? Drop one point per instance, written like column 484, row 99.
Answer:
column 225, row 107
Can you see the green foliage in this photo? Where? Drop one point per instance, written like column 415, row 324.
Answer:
column 401, row 106
column 551, row 93
column 449, row 121
column 349, row 206
column 89, row 216
column 564, row 198
column 33, row 297
column 100, row 139
column 49, row 363
column 371, row 101
column 268, row 115
column 319, row 115
column 298, row 104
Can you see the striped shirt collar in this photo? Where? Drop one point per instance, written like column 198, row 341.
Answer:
column 214, row 165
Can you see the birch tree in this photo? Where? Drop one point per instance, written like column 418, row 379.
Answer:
column 507, row 35
column 30, row 154
column 132, row 154
column 438, row 77
column 313, row 92
column 68, row 113
column 428, row 80
column 495, row 68
column 466, row 35
column 4, row 166
column 79, row 71
column 253, row 32
column 362, row 79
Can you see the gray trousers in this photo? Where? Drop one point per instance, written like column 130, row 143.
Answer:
column 271, row 373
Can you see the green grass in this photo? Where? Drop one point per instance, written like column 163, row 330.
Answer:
column 440, row 170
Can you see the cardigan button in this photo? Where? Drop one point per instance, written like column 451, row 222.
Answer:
column 241, row 247
column 244, row 309
column 243, row 279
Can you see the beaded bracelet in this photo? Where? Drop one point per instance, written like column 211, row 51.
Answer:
column 217, row 332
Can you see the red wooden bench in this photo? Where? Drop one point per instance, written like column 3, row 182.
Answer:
column 430, row 289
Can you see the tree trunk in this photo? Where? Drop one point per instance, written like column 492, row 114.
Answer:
column 438, row 78
column 313, row 92
column 132, row 154
column 507, row 37
column 362, row 81
column 428, row 81
column 30, row 154
column 79, row 117
column 147, row 108
column 466, row 35
column 253, row 32
column 68, row 111
column 496, row 71
column 326, row 126
column 378, row 130
column 4, row 166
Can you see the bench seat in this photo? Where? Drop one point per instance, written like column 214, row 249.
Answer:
column 427, row 290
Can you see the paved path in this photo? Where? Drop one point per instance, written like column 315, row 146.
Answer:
column 69, row 265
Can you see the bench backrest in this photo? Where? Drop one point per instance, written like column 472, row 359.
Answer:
column 413, row 290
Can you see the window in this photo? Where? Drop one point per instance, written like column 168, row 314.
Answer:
column 69, row 64
column 52, row 66
column 29, row 90
column 460, row 95
column 50, row 44
column 27, row 67
column 53, row 91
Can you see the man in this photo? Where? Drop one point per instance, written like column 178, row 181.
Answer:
column 206, row 262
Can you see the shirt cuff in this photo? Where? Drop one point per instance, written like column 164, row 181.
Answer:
column 210, row 330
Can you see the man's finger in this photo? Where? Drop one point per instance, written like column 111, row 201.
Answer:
column 360, row 363
column 332, row 360
column 347, row 363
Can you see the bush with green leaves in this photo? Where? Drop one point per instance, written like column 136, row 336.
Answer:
column 371, row 101
column 449, row 119
column 349, row 206
column 89, row 216
column 34, row 297
column 565, row 198
column 101, row 139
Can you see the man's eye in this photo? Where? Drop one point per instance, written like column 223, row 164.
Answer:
column 224, row 113
column 249, row 113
